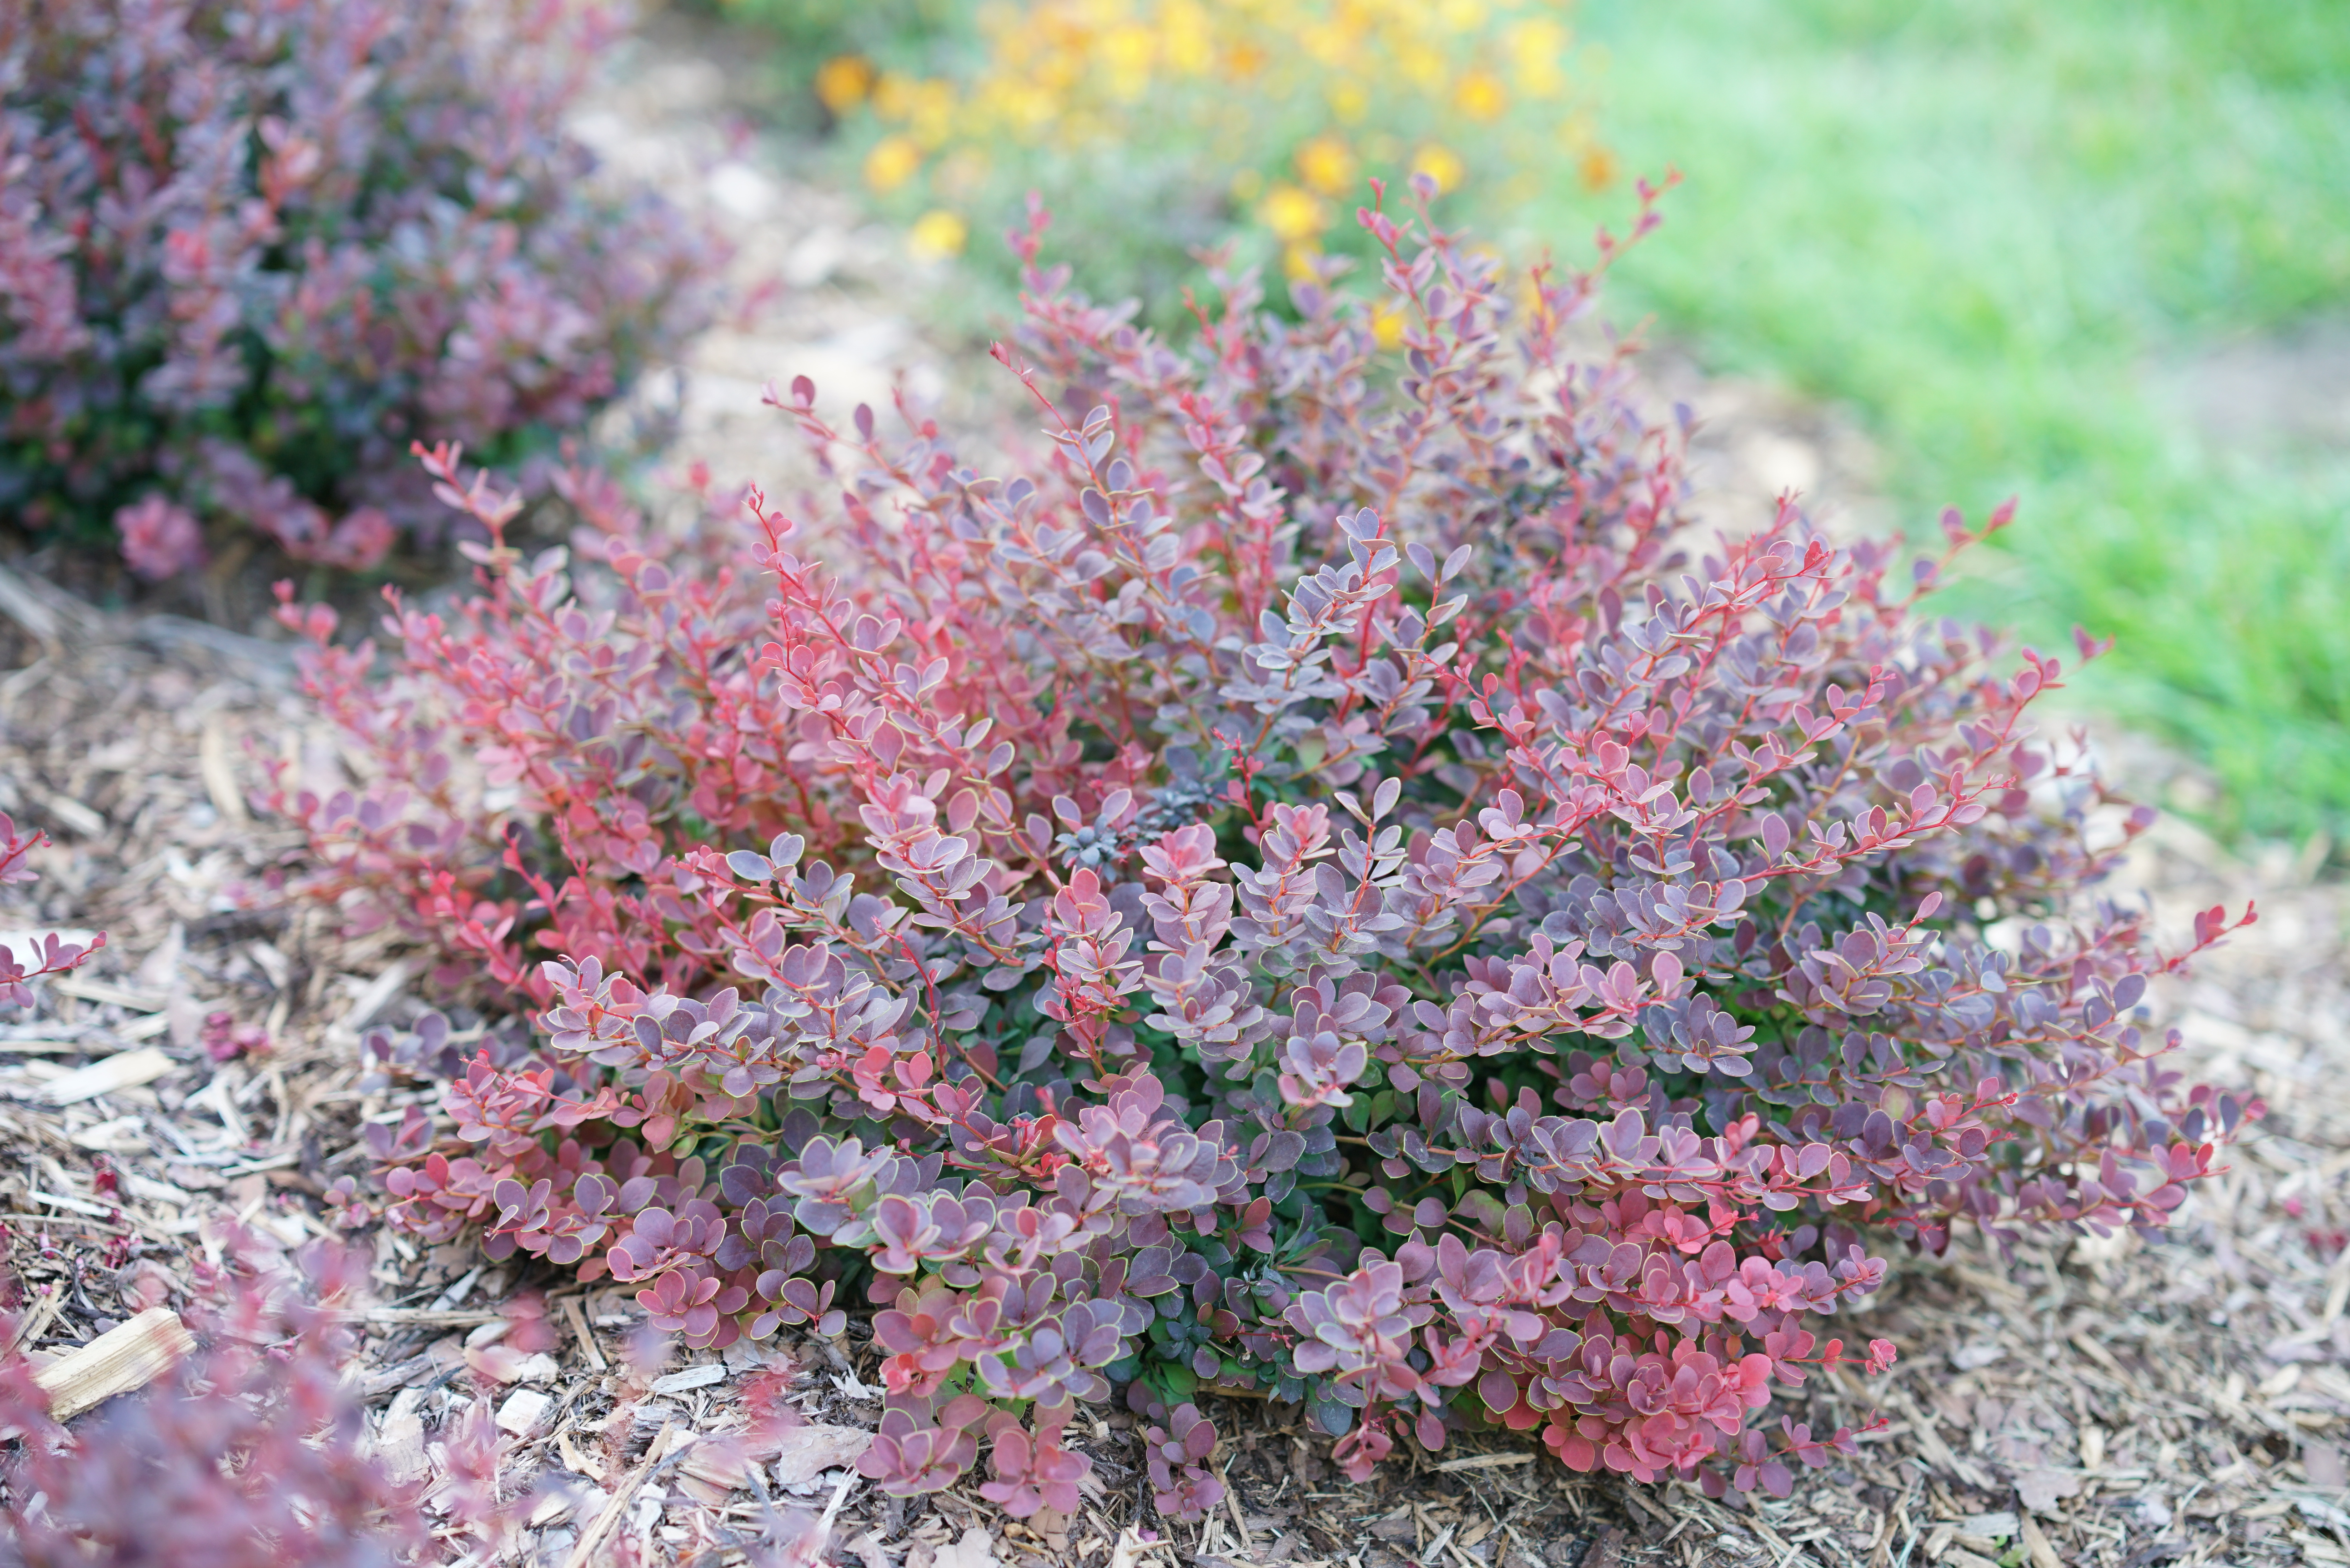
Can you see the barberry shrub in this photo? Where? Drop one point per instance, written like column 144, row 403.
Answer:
column 249, row 1452
column 1328, row 885
column 251, row 249
column 47, row 953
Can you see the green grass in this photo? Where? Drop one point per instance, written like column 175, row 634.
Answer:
column 1989, row 228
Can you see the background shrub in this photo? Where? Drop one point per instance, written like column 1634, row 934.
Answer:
column 1324, row 885
column 251, row 249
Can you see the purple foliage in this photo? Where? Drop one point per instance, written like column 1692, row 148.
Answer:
column 1330, row 884
column 250, row 249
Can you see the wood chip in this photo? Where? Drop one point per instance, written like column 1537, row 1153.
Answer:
column 120, row 996
column 220, row 777
column 376, row 996
column 701, row 1377
column 35, row 1322
column 71, row 813
column 521, row 1410
column 123, row 1135
column 50, row 613
column 127, row 1070
column 76, row 1205
column 429, row 1317
column 125, row 1357
column 1485, row 1462
column 804, row 1453
column 2036, row 1546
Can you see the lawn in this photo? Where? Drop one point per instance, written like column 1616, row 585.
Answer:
column 2006, row 235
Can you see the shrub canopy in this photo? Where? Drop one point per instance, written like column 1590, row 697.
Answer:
column 1328, row 883
column 251, row 249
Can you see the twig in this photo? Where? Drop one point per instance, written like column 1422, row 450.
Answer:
column 576, row 1315
column 609, row 1520
column 1485, row 1462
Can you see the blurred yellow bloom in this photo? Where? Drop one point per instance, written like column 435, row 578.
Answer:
column 1327, row 165
column 1535, row 47
column 1187, row 38
column 1349, row 100
column 1481, row 95
column 843, row 82
column 1298, row 260
column 1441, row 164
column 1126, row 55
column 928, row 113
column 1291, row 215
column 1460, row 15
column 893, row 94
column 1225, row 84
column 937, row 235
column 893, row 161
column 1387, row 324
column 1422, row 67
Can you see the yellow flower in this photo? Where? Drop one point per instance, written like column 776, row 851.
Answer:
column 1534, row 47
column 1596, row 167
column 843, row 81
column 1291, row 215
column 1481, row 95
column 1349, row 100
column 1126, row 53
column 1462, row 16
column 937, row 237
column 1298, row 260
column 1327, row 165
column 930, row 113
column 1441, row 164
column 1187, row 38
column 1422, row 66
column 893, row 161
column 1386, row 325
column 893, row 94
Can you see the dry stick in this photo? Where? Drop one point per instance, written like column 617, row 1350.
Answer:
column 129, row 1356
column 576, row 1316
column 1233, row 1504
column 1486, row 1462
column 609, row 1519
